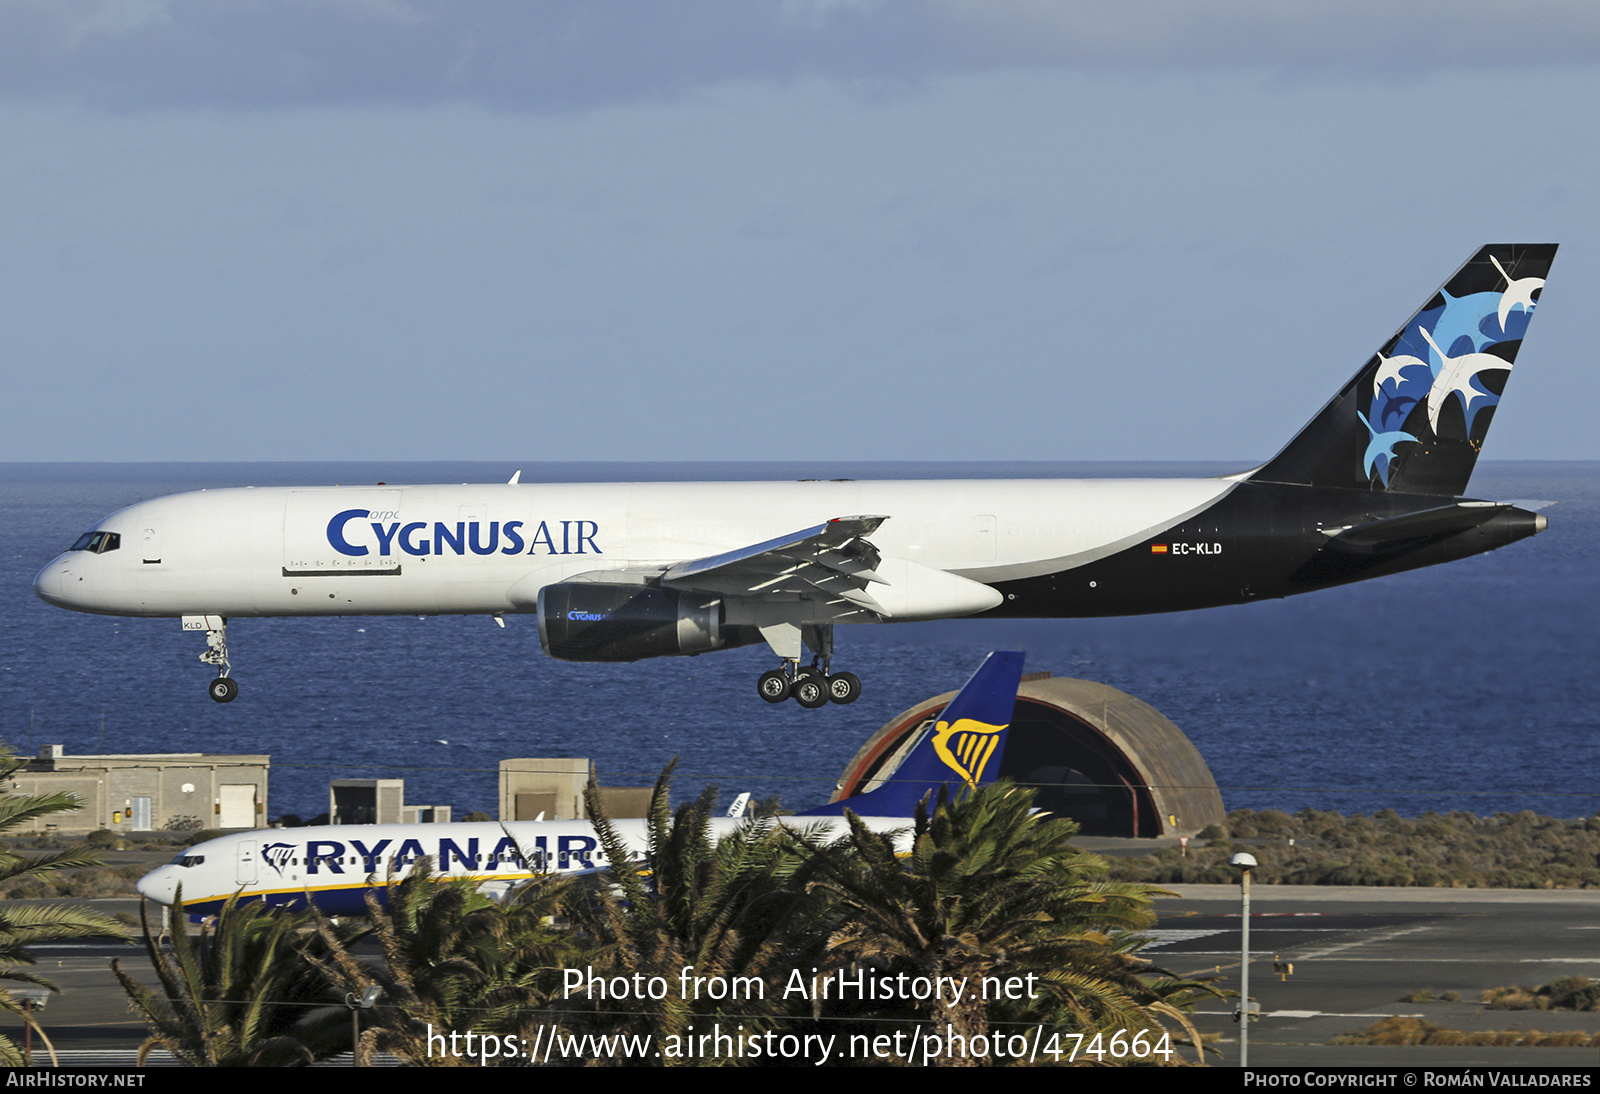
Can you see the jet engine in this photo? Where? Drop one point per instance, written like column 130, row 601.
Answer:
column 587, row 621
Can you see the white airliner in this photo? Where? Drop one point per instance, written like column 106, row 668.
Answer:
column 618, row 572
column 335, row 866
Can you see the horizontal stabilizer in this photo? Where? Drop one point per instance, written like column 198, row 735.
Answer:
column 1375, row 537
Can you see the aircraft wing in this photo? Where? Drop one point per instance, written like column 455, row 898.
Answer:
column 829, row 561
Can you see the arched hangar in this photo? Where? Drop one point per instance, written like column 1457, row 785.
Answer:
column 1111, row 762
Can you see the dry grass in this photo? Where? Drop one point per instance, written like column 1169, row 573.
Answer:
column 1564, row 993
column 1452, row 850
column 100, row 881
column 1416, row 1031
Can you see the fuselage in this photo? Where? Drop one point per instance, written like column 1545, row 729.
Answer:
column 335, row 866
column 1046, row 548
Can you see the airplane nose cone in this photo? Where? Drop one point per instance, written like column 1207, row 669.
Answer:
column 158, row 885
column 52, row 584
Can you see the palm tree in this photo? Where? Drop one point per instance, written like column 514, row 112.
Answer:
column 991, row 889
column 734, row 912
column 23, row 926
column 453, row 960
column 244, row 994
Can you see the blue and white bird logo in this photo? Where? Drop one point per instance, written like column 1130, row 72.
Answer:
column 1438, row 360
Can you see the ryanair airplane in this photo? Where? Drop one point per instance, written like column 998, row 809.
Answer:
column 1372, row 485
column 335, row 866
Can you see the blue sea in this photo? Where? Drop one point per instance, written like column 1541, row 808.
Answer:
column 1468, row 686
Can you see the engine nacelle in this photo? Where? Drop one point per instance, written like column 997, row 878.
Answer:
column 585, row 621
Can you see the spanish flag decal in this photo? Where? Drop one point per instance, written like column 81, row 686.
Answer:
column 1158, row 548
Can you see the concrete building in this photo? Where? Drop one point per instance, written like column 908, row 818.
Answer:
column 138, row 793
column 378, row 801
column 553, row 789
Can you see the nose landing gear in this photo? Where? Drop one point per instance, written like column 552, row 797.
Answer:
column 224, row 689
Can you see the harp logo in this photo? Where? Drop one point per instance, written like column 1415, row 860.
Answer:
column 278, row 855
column 966, row 746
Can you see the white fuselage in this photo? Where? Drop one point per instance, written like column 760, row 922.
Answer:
column 334, row 866
column 491, row 548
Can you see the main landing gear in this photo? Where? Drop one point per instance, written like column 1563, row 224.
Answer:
column 224, row 688
column 811, row 687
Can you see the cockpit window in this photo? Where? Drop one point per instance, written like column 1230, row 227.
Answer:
column 97, row 542
column 186, row 859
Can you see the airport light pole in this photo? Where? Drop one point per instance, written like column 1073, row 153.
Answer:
column 365, row 1001
column 32, row 999
column 1244, row 863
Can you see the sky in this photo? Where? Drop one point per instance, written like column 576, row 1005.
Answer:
column 769, row 229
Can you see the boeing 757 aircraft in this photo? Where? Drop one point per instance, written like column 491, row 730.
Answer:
column 335, row 866
column 1372, row 485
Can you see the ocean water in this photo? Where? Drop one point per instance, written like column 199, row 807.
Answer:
column 1468, row 686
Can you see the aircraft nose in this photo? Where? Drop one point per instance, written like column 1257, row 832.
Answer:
column 158, row 885
column 54, row 583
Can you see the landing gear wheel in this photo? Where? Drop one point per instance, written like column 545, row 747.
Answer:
column 773, row 686
column 844, row 687
column 811, row 692
column 223, row 689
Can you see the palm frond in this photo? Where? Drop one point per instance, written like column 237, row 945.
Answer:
column 991, row 888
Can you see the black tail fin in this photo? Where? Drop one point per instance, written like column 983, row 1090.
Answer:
column 1414, row 418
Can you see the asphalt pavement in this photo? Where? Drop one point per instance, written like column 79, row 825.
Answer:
column 1357, row 951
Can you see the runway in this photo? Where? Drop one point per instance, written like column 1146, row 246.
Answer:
column 1356, row 951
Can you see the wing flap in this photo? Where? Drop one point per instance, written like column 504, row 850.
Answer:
column 830, row 561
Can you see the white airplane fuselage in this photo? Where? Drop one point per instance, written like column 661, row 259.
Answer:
column 269, row 551
column 336, row 866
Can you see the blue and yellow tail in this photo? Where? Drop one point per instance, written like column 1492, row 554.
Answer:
column 962, row 748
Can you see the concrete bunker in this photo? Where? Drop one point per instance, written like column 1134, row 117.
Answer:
column 1108, row 760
